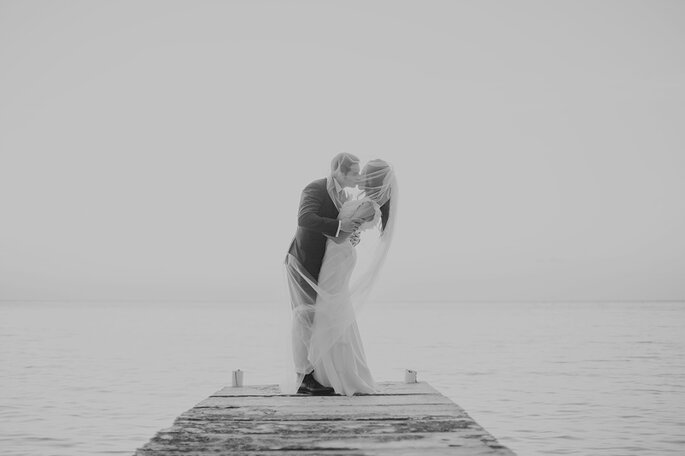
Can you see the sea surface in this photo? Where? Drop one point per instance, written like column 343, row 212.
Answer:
column 543, row 378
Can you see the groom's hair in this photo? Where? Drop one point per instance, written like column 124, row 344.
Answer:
column 343, row 161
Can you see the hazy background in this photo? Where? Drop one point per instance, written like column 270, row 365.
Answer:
column 157, row 150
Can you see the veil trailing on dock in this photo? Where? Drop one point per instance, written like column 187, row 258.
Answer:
column 324, row 310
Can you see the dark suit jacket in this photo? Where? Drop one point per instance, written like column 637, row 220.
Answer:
column 317, row 216
column 385, row 213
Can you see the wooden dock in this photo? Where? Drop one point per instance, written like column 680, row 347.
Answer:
column 402, row 419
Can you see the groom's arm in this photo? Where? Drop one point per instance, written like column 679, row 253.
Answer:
column 308, row 215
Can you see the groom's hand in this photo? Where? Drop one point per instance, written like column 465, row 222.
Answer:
column 349, row 225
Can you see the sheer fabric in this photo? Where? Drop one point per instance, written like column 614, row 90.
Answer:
column 325, row 337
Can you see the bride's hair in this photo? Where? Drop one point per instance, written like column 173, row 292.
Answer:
column 376, row 181
column 343, row 162
column 374, row 173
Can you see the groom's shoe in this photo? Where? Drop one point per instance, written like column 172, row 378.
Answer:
column 312, row 387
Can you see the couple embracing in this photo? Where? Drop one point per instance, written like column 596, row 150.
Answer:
column 345, row 227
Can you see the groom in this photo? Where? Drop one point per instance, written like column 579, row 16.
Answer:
column 316, row 219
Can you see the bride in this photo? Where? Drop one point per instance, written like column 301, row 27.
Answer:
column 348, row 272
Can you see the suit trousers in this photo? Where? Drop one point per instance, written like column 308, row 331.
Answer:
column 302, row 300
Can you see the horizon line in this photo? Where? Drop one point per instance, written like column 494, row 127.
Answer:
column 264, row 301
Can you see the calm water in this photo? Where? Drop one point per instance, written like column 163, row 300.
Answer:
column 585, row 379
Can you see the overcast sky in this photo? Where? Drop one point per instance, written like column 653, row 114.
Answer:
column 157, row 150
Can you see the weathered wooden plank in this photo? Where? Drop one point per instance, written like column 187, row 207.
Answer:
column 404, row 419
column 343, row 427
column 302, row 412
column 384, row 388
column 184, row 440
column 437, row 451
column 316, row 402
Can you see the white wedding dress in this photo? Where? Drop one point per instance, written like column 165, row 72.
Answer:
column 324, row 336
column 336, row 350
